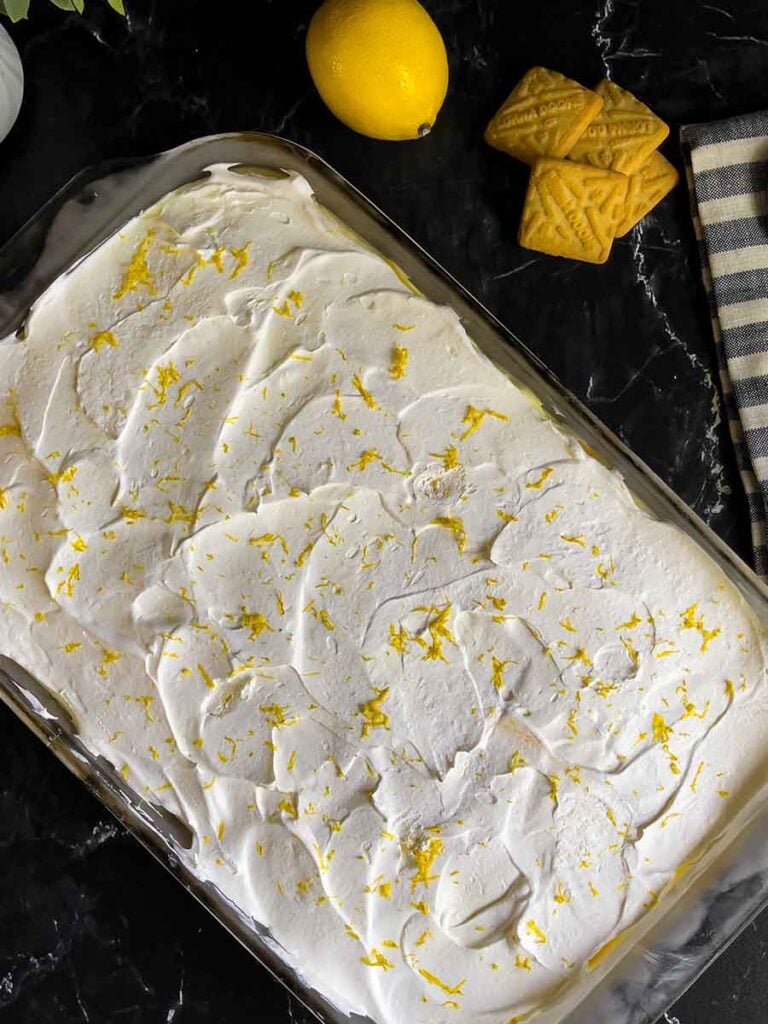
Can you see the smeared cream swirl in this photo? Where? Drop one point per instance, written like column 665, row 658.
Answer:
column 444, row 709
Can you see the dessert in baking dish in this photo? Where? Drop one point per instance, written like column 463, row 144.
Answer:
column 444, row 709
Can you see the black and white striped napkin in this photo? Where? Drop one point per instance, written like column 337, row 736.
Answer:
column 727, row 164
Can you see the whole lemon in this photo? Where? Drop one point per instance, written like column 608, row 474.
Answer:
column 379, row 65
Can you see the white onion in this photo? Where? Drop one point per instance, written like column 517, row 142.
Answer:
column 11, row 83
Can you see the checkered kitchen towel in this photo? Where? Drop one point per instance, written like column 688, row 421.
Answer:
column 727, row 167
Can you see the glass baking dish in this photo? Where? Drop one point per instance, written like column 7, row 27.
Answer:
column 726, row 887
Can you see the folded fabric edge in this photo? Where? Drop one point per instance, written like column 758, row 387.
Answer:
column 691, row 136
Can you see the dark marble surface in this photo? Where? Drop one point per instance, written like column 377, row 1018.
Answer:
column 91, row 929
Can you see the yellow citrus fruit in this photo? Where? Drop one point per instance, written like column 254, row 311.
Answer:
column 380, row 65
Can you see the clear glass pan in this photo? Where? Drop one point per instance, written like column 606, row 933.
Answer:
column 673, row 944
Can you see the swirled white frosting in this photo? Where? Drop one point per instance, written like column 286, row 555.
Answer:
column 444, row 709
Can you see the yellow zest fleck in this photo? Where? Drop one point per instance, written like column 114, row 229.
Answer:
column 109, row 658
column 180, row 514
column 323, row 859
column 265, row 540
column 425, row 858
column 562, row 896
column 351, row 932
column 65, row 477
column 276, row 715
column 182, row 393
column 137, row 273
column 632, row 621
column 581, row 656
column 554, row 786
column 69, row 648
column 695, row 779
column 551, row 516
column 567, row 625
column 594, row 890
column 603, row 689
column 449, row 458
column 364, row 393
column 689, row 620
column 425, row 935
column 377, row 959
column 523, row 963
column 538, row 934
column 398, row 638
column 132, row 515
column 365, row 460
column 516, row 761
column 78, row 544
column 661, row 731
column 580, row 540
column 497, row 675
column 205, row 677
column 661, row 734
column 506, row 517
column 240, row 256
column 536, row 485
column 404, row 328
column 67, row 586
column 303, row 554
column 373, row 715
column 12, row 429
column 571, row 722
column 256, row 623
column 450, row 990
column 144, row 700
column 399, row 364
column 320, row 615
column 456, row 527
column 421, row 906
column 336, row 407
column 669, row 817
column 605, row 571
column 473, row 418
column 167, row 376
column 629, row 647
column 288, row 806
column 438, row 632
column 98, row 341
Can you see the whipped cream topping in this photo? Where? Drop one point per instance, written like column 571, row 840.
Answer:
column 443, row 708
